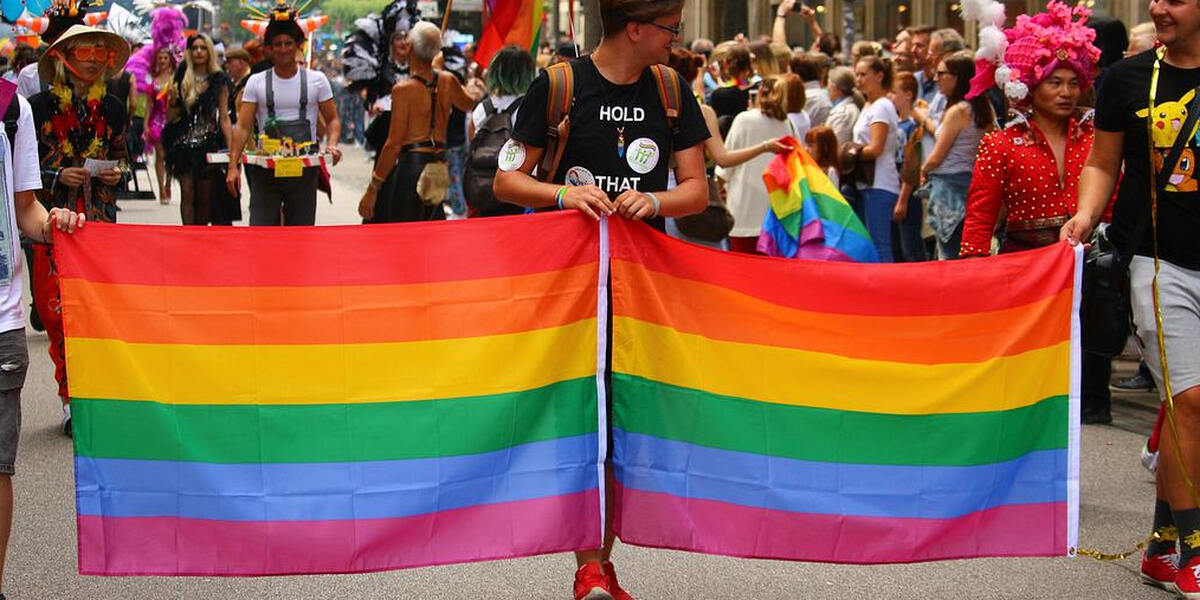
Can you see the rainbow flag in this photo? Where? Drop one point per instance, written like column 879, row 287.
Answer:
column 509, row 22
column 257, row 401
column 809, row 218
column 828, row 411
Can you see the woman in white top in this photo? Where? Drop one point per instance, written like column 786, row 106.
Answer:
column 876, row 129
column 794, row 99
column 747, row 193
column 845, row 109
column 949, row 166
column 688, row 65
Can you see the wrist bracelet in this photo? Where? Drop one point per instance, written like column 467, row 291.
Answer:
column 779, row 16
column 657, row 204
column 559, row 195
column 376, row 177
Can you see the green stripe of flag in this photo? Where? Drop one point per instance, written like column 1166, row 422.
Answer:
column 332, row 432
column 823, row 435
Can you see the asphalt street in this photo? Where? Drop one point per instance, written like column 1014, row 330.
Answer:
column 1117, row 496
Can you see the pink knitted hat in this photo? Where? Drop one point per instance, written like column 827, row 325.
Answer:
column 1034, row 48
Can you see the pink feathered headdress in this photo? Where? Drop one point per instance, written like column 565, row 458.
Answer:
column 1019, row 58
column 166, row 30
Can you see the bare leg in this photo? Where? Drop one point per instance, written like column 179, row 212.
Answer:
column 160, row 169
column 6, row 514
column 1170, row 479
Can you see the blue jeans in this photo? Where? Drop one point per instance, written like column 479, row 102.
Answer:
column 947, row 209
column 875, row 208
column 908, row 232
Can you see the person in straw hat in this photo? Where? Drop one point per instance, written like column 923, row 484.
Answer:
column 60, row 16
column 81, row 136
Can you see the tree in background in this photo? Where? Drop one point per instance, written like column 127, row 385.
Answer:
column 342, row 13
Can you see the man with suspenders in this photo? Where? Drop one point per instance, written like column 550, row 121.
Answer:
column 284, row 101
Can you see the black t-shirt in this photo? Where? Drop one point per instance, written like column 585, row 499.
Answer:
column 1124, row 94
column 620, row 138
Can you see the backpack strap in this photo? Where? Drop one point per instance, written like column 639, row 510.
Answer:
column 669, row 93
column 489, row 108
column 559, row 101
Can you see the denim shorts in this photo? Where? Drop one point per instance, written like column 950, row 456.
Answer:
column 14, row 362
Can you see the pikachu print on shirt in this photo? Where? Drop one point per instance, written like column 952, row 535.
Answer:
column 1166, row 122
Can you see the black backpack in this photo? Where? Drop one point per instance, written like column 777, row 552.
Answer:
column 482, row 162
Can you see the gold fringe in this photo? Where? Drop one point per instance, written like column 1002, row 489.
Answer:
column 1166, row 534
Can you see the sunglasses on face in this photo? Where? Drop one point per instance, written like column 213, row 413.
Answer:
column 98, row 54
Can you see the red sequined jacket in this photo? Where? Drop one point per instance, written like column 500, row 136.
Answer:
column 1016, row 171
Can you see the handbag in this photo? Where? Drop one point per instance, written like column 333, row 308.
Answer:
column 1105, row 313
column 852, row 168
column 714, row 223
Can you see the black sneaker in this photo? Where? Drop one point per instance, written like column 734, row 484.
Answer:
column 1095, row 416
column 1137, row 383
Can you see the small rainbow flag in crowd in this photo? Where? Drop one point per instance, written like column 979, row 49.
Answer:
column 256, row 401
column 839, row 412
column 509, row 22
column 809, row 218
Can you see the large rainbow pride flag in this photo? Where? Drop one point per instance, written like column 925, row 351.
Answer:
column 831, row 411
column 252, row 401
column 809, row 217
column 255, row 401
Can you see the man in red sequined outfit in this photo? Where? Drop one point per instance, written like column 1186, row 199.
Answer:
column 1030, row 170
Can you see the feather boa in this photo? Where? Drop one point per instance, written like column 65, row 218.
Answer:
column 166, row 31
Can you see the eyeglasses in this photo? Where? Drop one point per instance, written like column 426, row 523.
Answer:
column 98, row 54
column 675, row 31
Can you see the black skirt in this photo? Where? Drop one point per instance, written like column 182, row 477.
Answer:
column 397, row 200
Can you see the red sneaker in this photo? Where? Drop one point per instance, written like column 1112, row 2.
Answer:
column 613, row 586
column 1160, row 571
column 591, row 584
column 1186, row 580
